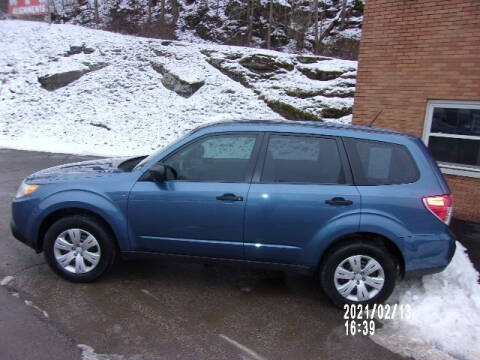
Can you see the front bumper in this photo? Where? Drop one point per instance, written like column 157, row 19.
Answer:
column 20, row 237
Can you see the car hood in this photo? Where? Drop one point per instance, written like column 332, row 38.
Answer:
column 91, row 168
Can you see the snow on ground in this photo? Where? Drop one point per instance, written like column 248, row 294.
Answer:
column 118, row 105
column 136, row 112
column 445, row 314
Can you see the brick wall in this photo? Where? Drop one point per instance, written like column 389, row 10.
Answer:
column 413, row 51
column 466, row 197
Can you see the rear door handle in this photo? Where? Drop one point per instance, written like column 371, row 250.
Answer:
column 338, row 201
column 229, row 197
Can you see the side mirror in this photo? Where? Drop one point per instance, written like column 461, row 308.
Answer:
column 157, row 173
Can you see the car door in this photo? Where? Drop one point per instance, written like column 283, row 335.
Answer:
column 201, row 211
column 301, row 191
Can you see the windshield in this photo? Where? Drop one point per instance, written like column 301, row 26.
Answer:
column 160, row 150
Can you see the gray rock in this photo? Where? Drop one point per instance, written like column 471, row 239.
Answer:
column 339, row 91
column 93, row 66
column 78, row 49
column 175, row 83
column 318, row 74
column 60, row 79
column 183, row 88
column 240, row 76
column 265, row 63
column 288, row 111
column 306, row 59
column 55, row 81
column 334, row 113
column 100, row 125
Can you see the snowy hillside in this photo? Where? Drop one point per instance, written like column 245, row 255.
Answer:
column 70, row 89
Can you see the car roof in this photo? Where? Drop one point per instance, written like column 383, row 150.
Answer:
column 301, row 126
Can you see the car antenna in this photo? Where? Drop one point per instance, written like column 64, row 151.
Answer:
column 375, row 118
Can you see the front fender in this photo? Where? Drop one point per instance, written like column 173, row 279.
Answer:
column 112, row 212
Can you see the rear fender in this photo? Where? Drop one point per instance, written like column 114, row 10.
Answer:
column 328, row 234
column 389, row 227
column 350, row 225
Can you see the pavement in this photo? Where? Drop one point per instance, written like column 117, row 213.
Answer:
column 26, row 333
column 156, row 310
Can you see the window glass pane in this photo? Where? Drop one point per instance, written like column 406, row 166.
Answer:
column 380, row 163
column 298, row 159
column 295, row 148
column 220, row 158
column 229, row 147
column 458, row 151
column 456, row 121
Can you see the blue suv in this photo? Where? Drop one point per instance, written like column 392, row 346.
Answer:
column 358, row 207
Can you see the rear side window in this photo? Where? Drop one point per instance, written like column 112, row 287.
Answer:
column 380, row 163
column 302, row 159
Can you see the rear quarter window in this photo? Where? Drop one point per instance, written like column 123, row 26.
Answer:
column 380, row 163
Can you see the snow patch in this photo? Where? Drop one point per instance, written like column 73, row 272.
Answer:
column 32, row 305
column 88, row 353
column 445, row 319
column 249, row 354
column 7, row 280
column 148, row 293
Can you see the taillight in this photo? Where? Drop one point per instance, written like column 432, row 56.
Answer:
column 441, row 206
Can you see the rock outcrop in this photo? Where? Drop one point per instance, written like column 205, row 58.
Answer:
column 296, row 87
column 60, row 77
column 179, row 80
column 57, row 80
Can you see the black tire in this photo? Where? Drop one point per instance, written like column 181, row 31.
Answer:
column 92, row 226
column 359, row 247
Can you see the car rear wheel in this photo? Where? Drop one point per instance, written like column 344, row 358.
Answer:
column 358, row 273
column 79, row 248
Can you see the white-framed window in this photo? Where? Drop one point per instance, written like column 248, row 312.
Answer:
column 452, row 133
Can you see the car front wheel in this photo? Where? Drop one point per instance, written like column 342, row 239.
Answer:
column 358, row 273
column 79, row 248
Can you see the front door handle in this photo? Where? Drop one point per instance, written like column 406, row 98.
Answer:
column 229, row 197
column 338, row 201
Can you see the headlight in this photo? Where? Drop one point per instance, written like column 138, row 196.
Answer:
column 26, row 189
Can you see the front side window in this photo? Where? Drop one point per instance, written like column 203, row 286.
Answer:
column 380, row 163
column 452, row 133
column 218, row 158
column 302, row 159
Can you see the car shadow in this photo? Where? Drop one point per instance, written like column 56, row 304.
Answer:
column 243, row 278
